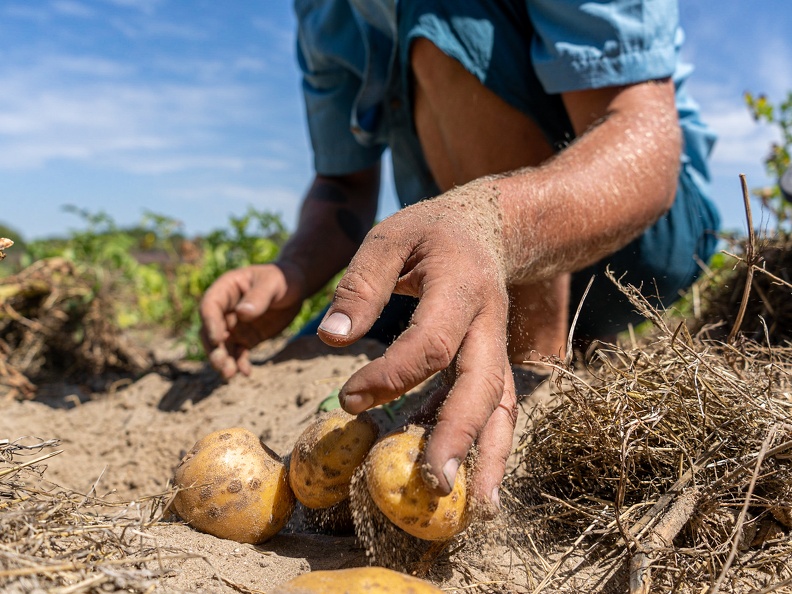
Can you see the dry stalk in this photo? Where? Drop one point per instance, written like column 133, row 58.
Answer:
column 741, row 519
column 55, row 540
column 750, row 259
column 661, row 537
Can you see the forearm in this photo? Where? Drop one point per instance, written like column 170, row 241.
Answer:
column 336, row 214
column 597, row 195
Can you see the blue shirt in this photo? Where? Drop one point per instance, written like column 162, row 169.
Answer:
column 353, row 82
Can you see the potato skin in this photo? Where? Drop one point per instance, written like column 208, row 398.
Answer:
column 327, row 454
column 394, row 481
column 233, row 486
column 377, row 580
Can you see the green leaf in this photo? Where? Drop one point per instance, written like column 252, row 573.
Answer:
column 330, row 403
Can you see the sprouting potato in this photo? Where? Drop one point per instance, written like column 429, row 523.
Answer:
column 394, row 481
column 327, row 454
column 233, row 486
column 376, row 580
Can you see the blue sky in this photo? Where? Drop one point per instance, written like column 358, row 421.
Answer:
column 192, row 109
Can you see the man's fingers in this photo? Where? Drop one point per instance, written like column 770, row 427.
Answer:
column 222, row 297
column 263, row 289
column 479, row 388
column 366, row 286
column 426, row 347
column 222, row 362
column 495, row 446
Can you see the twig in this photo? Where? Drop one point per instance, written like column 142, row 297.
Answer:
column 665, row 500
column 777, row 280
column 551, row 574
column 15, row 468
column 661, row 537
column 750, row 255
column 568, row 356
column 741, row 519
column 78, row 565
column 86, row 583
column 773, row 587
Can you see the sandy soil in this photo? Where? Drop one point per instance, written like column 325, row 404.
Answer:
column 126, row 443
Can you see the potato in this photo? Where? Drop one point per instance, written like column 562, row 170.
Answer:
column 394, row 481
column 327, row 454
column 233, row 486
column 377, row 580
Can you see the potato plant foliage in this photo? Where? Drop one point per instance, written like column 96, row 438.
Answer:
column 155, row 273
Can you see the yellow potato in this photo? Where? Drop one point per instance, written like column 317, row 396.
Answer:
column 393, row 479
column 376, row 580
column 327, row 454
column 233, row 486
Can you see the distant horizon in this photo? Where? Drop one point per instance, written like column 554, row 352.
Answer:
column 193, row 111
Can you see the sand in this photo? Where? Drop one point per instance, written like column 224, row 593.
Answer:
column 125, row 443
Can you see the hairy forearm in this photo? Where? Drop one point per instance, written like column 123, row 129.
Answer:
column 336, row 214
column 595, row 196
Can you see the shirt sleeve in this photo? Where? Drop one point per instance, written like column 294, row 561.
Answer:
column 583, row 44
column 330, row 55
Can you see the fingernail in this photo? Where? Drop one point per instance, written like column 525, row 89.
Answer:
column 356, row 403
column 245, row 308
column 217, row 358
column 450, row 471
column 337, row 323
column 495, row 498
column 229, row 369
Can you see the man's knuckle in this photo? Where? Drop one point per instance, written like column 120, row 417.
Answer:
column 354, row 287
column 439, row 350
column 492, row 384
column 467, row 432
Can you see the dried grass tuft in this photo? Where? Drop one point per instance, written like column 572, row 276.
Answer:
column 666, row 464
column 56, row 540
column 57, row 322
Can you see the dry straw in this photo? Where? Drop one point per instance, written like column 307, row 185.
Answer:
column 59, row 541
column 667, row 465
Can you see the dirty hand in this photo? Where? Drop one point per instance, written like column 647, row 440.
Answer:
column 244, row 307
column 447, row 252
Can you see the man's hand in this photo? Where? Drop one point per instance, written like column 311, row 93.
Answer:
column 447, row 253
column 244, row 307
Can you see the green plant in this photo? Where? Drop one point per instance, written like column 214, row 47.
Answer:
column 157, row 277
column 778, row 159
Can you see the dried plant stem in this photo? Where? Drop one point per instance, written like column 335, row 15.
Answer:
column 750, row 257
column 551, row 574
column 661, row 537
column 776, row 279
column 77, row 565
column 741, row 519
column 17, row 467
column 568, row 356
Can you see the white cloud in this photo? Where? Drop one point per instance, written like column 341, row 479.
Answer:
column 149, row 162
column 145, row 6
column 109, row 118
column 73, row 9
column 741, row 140
column 272, row 199
column 774, row 68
